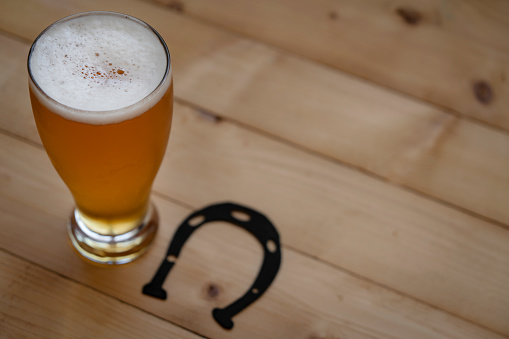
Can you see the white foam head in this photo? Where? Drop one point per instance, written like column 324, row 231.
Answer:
column 99, row 67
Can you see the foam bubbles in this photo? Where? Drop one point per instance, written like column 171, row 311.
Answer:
column 99, row 68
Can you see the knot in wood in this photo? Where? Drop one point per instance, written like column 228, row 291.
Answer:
column 483, row 92
column 410, row 16
column 176, row 6
column 212, row 291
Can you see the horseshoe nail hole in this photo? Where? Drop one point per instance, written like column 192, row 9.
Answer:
column 271, row 246
column 241, row 216
column 195, row 221
column 171, row 258
column 255, row 291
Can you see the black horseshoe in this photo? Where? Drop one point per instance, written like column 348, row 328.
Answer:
column 257, row 224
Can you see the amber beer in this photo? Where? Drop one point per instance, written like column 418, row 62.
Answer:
column 102, row 97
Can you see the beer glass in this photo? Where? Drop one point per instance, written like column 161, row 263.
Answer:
column 101, row 90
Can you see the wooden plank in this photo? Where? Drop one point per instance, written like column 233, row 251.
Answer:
column 16, row 114
column 308, row 298
column 38, row 303
column 341, row 216
column 434, row 50
column 376, row 130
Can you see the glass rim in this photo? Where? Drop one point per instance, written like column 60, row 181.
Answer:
column 167, row 72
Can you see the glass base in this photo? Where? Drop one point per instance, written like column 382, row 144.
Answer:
column 113, row 249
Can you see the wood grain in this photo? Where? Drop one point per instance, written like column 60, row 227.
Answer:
column 401, row 140
column 388, row 135
column 369, row 227
column 16, row 114
column 37, row 303
column 376, row 230
column 452, row 53
column 308, row 298
column 336, row 214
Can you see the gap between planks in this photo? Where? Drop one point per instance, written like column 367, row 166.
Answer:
column 340, row 162
column 49, row 270
column 14, row 36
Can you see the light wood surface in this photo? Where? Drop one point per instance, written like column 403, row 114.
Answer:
column 434, row 50
column 46, row 305
column 392, row 209
column 382, row 132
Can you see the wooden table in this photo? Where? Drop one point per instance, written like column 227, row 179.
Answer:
column 374, row 134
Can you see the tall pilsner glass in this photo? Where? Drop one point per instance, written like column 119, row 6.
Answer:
column 102, row 96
